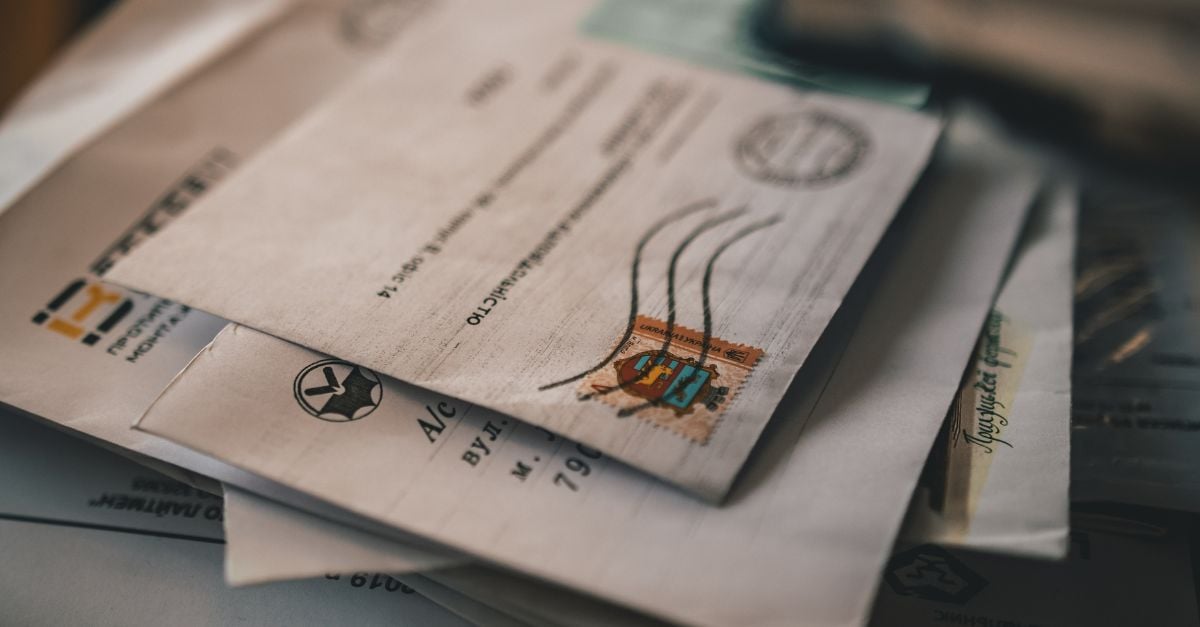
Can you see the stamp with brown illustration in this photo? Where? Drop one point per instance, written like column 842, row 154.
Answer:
column 682, row 384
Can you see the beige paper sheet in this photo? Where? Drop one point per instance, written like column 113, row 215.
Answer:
column 507, row 212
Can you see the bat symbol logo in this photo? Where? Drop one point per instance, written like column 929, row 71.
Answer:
column 337, row 391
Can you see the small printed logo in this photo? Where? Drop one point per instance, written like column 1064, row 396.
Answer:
column 84, row 310
column 930, row 572
column 337, row 391
column 87, row 309
column 801, row 148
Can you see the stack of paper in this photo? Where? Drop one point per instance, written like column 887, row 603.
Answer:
column 546, row 314
column 136, row 547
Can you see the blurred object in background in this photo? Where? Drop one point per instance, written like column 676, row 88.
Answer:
column 720, row 34
column 1112, row 77
column 110, row 69
column 30, row 33
column 1136, row 415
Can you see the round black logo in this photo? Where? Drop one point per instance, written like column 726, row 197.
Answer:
column 801, row 148
column 337, row 391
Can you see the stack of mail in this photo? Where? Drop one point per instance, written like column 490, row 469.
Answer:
column 548, row 313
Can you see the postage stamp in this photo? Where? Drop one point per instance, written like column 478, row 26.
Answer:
column 683, row 383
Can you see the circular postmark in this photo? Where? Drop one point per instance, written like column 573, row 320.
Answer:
column 337, row 391
column 801, row 148
column 375, row 22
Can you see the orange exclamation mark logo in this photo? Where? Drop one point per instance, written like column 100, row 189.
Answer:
column 95, row 298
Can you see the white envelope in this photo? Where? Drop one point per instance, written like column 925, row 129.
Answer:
column 999, row 475
column 627, row 250
column 814, row 515
column 1015, row 515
